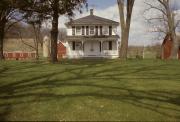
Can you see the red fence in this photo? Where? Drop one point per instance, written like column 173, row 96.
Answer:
column 19, row 55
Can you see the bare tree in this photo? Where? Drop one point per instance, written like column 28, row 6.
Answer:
column 125, row 20
column 62, row 34
column 34, row 29
column 167, row 22
column 54, row 9
column 35, row 20
column 8, row 13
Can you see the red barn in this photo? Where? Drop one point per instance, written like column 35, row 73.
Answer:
column 61, row 50
column 167, row 46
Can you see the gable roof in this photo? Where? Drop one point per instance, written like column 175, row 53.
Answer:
column 92, row 20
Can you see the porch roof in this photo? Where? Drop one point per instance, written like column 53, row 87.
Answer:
column 85, row 38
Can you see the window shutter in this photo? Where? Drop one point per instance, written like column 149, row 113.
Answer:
column 87, row 30
column 73, row 30
column 110, row 30
column 110, row 45
column 96, row 30
column 101, row 30
column 100, row 46
column 73, row 45
column 83, row 30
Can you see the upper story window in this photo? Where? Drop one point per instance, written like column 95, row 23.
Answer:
column 92, row 30
column 78, row 30
column 105, row 30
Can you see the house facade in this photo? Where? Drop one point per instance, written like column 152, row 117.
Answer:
column 92, row 36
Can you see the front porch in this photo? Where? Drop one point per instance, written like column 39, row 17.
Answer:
column 91, row 48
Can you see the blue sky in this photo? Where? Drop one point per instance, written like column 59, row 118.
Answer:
column 101, row 4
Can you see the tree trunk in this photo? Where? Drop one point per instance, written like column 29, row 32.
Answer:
column 37, row 51
column 2, row 29
column 124, row 46
column 36, row 40
column 125, row 26
column 54, row 32
column 175, row 47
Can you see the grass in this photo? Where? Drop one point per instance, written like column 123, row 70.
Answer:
column 106, row 90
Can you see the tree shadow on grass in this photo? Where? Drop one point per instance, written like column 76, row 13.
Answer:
column 23, row 89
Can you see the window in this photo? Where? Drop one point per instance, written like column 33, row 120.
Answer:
column 100, row 46
column 83, row 30
column 78, row 45
column 73, row 30
column 101, row 30
column 91, row 30
column 105, row 30
column 110, row 30
column 110, row 45
column 78, row 30
column 87, row 30
column 73, row 45
column 96, row 30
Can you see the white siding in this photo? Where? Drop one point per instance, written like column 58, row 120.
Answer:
column 114, row 30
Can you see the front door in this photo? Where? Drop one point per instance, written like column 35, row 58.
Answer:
column 92, row 48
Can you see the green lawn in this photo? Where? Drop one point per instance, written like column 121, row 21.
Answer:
column 132, row 90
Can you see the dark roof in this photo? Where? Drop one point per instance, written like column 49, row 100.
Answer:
column 92, row 20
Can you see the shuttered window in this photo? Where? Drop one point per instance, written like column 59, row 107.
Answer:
column 78, row 30
column 92, row 30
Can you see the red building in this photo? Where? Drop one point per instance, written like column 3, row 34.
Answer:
column 61, row 50
column 167, row 46
column 19, row 55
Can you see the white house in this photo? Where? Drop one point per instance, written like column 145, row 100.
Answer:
column 92, row 36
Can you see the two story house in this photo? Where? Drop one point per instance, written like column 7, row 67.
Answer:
column 92, row 36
